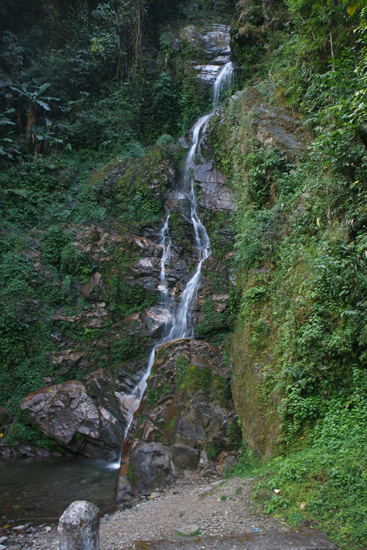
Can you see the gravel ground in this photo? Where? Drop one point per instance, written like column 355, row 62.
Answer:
column 216, row 507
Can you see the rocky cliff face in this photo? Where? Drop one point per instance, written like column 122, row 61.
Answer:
column 121, row 320
column 186, row 420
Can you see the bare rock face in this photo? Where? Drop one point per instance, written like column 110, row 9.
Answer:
column 212, row 45
column 88, row 418
column 186, row 419
column 214, row 194
column 213, row 39
column 272, row 126
column 79, row 527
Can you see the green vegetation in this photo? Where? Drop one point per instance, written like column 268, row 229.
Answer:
column 92, row 98
column 299, row 345
column 324, row 482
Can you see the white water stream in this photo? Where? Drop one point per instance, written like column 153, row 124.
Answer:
column 179, row 323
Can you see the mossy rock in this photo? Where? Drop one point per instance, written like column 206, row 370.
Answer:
column 196, row 379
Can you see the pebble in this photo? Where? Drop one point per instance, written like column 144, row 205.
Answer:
column 3, row 539
column 153, row 496
column 2, row 547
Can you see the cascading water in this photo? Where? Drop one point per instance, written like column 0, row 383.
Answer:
column 223, row 80
column 179, row 323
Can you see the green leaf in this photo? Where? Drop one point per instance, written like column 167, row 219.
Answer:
column 43, row 88
column 44, row 105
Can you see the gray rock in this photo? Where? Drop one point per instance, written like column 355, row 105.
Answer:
column 214, row 194
column 3, row 539
column 14, row 547
column 184, row 143
column 156, row 319
column 151, row 467
column 68, row 414
column 276, row 127
column 213, row 41
column 187, row 530
column 79, row 527
column 186, row 418
column 89, row 418
column 124, row 493
column 185, row 457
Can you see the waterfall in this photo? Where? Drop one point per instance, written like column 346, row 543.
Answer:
column 223, row 80
column 179, row 322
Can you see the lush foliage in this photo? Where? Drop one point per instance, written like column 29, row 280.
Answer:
column 91, row 94
column 324, row 483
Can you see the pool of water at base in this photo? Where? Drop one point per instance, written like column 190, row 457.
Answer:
column 40, row 490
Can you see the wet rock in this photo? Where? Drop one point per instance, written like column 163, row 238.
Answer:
column 214, row 194
column 79, row 527
column 216, row 197
column 156, row 319
column 212, row 40
column 212, row 43
column 184, row 143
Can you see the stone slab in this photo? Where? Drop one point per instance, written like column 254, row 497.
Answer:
column 301, row 539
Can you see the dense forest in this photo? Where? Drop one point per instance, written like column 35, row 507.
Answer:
column 94, row 96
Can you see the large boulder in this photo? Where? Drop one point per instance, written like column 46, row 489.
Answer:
column 89, row 418
column 150, row 467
